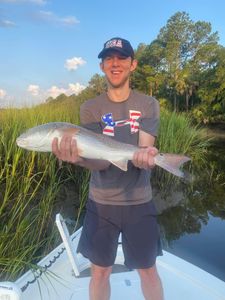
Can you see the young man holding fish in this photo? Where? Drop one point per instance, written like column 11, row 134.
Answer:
column 119, row 201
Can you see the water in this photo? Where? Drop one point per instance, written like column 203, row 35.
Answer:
column 205, row 249
column 193, row 224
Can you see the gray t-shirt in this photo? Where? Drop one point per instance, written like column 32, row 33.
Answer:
column 121, row 121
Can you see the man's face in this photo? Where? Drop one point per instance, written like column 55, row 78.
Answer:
column 117, row 68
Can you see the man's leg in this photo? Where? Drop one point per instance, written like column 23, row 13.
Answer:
column 99, row 288
column 99, row 242
column 151, row 284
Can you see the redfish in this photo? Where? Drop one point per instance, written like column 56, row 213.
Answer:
column 94, row 146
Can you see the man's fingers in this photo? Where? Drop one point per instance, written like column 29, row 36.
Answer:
column 74, row 151
column 152, row 151
column 144, row 158
column 140, row 158
column 55, row 147
column 66, row 150
column 64, row 147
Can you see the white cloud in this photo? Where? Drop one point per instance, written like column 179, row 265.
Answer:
column 50, row 17
column 34, row 89
column 34, row 95
column 73, row 88
column 2, row 93
column 7, row 23
column 54, row 91
column 70, row 20
column 74, row 63
column 39, row 2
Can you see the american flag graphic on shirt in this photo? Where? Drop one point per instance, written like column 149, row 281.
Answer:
column 132, row 121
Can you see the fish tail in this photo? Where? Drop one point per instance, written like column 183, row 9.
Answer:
column 172, row 163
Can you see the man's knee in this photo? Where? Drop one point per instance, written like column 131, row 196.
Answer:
column 99, row 273
column 149, row 274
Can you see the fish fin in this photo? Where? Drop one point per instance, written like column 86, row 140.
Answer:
column 171, row 169
column 183, row 174
column 175, row 160
column 121, row 164
column 172, row 163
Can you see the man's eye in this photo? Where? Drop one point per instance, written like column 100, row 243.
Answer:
column 122, row 57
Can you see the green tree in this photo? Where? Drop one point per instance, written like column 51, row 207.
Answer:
column 98, row 84
column 172, row 65
column 186, row 47
column 148, row 76
column 212, row 89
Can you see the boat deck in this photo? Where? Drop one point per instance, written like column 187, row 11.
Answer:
column 180, row 279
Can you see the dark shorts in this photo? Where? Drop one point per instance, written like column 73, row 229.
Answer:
column 139, row 229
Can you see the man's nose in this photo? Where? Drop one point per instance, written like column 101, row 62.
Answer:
column 115, row 61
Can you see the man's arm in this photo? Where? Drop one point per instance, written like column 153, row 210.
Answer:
column 67, row 151
column 144, row 158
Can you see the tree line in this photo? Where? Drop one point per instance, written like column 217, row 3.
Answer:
column 184, row 68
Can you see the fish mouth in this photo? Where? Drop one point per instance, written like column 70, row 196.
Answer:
column 25, row 145
column 21, row 143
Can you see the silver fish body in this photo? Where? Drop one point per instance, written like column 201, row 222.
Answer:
column 93, row 146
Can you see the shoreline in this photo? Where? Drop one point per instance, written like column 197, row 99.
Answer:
column 215, row 132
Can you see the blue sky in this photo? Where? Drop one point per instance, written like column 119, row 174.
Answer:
column 50, row 46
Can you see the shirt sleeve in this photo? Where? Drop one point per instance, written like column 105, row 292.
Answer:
column 149, row 121
column 87, row 118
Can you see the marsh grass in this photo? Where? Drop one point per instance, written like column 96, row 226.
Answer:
column 178, row 134
column 29, row 181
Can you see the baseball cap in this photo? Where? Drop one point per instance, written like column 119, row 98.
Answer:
column 121, row 45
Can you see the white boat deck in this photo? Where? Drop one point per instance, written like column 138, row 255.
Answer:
column 180, row 279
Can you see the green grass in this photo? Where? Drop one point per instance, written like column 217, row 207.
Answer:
column 30, row 182
column 177, row 134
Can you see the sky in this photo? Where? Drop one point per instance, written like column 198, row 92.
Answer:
column 49, row 47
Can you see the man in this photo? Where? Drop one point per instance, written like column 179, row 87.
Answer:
column 119, row 202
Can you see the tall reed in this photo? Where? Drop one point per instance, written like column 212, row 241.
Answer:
column 178, row 134
column 29, row 183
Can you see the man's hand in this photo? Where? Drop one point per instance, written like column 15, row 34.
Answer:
column 144, row 158
column 66, row 150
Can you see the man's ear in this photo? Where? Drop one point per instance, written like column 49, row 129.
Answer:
column 134, row 64
column 101, row 66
